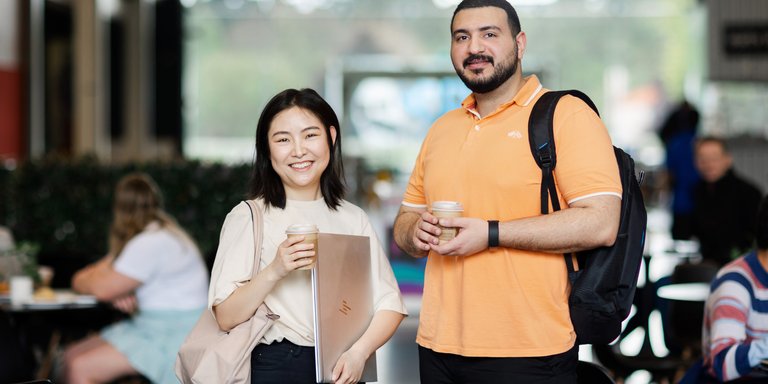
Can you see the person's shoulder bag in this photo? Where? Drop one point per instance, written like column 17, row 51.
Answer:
column 210, row 355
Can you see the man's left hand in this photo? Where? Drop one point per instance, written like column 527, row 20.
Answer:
column 472, row 237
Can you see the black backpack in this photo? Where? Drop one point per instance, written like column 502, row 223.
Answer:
column 603, row 288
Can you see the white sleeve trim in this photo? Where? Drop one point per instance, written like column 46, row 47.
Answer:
column 411, row 205
column 593, row 195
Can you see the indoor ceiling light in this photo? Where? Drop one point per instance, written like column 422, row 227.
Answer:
column 522, row 3
column 308, row 6
column 445, row 3
column 525, row 3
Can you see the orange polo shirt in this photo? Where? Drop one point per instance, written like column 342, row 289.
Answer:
column 504, row 302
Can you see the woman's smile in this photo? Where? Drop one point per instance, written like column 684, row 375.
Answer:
column 302, row 165
column 300, row 152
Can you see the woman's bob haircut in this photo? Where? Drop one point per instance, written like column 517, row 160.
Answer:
column 265, row 182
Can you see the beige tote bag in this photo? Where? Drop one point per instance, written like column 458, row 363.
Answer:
column 210, row 355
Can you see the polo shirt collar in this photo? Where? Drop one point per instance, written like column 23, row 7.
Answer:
column 526, row 94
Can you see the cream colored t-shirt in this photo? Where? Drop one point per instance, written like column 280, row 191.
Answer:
column 291, row 298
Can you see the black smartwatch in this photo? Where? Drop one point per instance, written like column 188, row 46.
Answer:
column 493, row 233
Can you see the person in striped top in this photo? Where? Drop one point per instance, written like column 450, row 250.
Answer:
column 735, row 331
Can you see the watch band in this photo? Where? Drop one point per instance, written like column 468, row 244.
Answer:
column 493, row 233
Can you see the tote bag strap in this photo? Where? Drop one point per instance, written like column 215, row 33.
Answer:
column 257, row 216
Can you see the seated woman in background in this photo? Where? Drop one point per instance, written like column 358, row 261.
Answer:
column 735, row 337
column 153, row 271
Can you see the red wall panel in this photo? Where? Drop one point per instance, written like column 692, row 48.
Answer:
column 10, row 114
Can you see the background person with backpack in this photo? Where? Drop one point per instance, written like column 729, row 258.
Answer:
column 495, row 304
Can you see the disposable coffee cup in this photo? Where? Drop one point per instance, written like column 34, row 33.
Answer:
column 443, row 209
column 21, row 290
column 309, row 231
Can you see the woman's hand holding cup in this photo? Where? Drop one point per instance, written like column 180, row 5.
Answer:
column 292, row 254
column 308, row 234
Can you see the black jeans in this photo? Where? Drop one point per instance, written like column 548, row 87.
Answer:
column 446, row 368
column 282, row 363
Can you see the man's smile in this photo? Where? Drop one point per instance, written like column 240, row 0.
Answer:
column 477, row 61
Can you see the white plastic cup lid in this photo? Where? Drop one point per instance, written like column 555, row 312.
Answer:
column 447, row 206
column 301, row 228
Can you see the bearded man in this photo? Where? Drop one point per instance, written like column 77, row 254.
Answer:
column 495, row 302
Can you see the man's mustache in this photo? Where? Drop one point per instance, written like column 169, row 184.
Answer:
column 477, row 57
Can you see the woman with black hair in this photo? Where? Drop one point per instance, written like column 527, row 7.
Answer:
column 297, row 178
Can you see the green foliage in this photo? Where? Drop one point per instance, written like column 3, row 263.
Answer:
column 27, row 252
column 65, row 206
column 20, row 260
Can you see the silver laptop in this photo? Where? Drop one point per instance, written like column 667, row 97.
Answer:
column 343, row 301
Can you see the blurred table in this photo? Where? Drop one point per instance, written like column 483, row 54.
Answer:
column 41, row 325
column 684, row 292
column 62, row 299
column 686, row 248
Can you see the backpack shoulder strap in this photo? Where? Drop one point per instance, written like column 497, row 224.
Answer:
column 542, row 142
column 541, row 138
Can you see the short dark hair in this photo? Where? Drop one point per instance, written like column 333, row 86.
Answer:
column 265, row 182
column 762, row 225
column 712, row 139
column 512, row 19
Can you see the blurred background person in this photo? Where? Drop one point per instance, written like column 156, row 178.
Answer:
column 678, row 133
column 724, row 204
column 735, row 335
column 155, row 273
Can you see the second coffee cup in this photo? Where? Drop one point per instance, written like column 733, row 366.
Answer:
column 447, row 209
column 310, row 232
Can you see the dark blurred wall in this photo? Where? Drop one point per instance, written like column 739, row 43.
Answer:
column 168, row 71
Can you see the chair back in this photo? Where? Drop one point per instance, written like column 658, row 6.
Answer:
column 16, row 360
column 591, row 373
column 694, row 273
column 686, row 317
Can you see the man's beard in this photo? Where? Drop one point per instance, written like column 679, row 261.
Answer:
column 501, row 73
